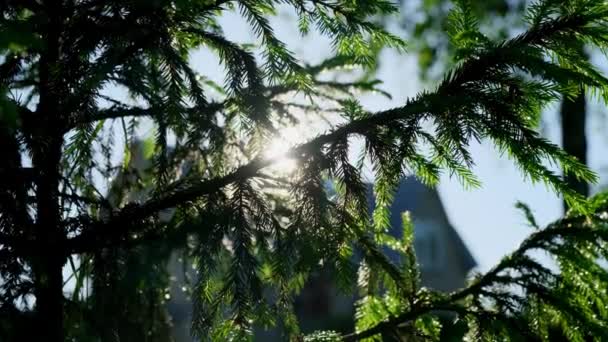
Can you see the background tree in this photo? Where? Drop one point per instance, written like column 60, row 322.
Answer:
column 500, row 19
column 251, row 233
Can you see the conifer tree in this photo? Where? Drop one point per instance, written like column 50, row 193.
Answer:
column 248, row 232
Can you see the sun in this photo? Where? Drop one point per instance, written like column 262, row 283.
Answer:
column 291, row 134
column 278, row 147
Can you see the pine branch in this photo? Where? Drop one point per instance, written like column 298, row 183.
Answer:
column 447, row 96
column 120, row 110
column 571, row 228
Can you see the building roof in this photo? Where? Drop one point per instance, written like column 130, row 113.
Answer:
column 423, row 202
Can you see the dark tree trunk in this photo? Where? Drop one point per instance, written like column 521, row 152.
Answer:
column 49, row 255
column 47, row 140
column 574, row 140
column 49, row 298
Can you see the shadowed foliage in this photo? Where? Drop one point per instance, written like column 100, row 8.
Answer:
column 81, row 78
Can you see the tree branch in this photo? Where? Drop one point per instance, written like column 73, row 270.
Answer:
column 448, row 92
column 561, row 228
column 120, row 110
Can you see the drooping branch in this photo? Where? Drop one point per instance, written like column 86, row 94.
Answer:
column 450, row 94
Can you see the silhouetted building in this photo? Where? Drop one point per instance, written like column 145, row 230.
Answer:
column 444, row 259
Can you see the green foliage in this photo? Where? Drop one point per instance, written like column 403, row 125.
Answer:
column 427, row 21
column 200, row 183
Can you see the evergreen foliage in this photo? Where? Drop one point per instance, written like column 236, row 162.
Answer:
column 426, row 23
column 253, row 237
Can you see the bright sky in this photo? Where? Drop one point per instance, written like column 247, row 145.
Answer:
column 485, row 218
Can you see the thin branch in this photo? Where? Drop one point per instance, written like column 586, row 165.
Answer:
column 115, row 112
column 88, row 200
column 120, row 110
